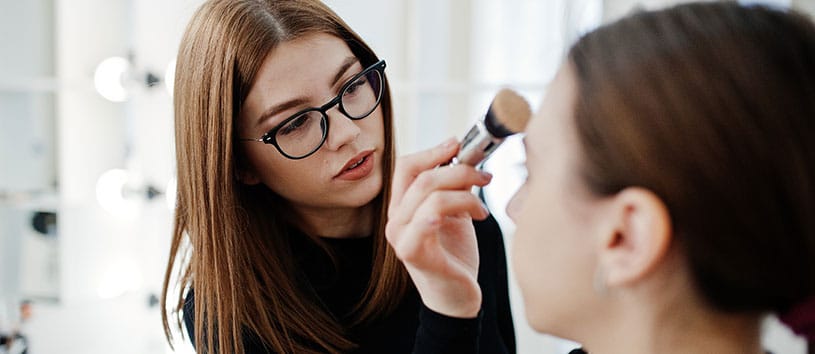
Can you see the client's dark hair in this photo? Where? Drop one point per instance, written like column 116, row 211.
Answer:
column 712, row 107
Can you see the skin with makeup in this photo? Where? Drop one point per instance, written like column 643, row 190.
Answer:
column 330, row 190
column 286, row 170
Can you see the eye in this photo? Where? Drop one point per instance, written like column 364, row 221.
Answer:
column 294, row 125
column 354, row 87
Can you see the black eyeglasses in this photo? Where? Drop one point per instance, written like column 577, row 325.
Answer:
column 304, row 133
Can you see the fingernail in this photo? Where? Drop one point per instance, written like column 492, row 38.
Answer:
column 485, row 175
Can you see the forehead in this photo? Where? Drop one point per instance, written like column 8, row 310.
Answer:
column 301, row 68
column 552, row 124
column 310, row 56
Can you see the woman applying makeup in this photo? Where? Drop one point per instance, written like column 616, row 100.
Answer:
column 285, row 153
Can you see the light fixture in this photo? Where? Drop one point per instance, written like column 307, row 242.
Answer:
column 110, row 78
column 110, row 193
column 116, row 78
column 122, row 195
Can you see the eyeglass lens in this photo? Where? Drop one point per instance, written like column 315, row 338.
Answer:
column 305, row 133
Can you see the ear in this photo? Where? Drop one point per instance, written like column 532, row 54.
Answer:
column 637, row 238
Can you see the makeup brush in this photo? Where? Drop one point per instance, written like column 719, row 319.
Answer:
column 507, row 115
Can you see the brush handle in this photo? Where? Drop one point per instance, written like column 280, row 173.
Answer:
column 477, row 145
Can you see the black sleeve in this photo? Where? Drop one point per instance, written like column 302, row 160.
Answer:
column 493, row 278
column 503, row 309
column 493, row 330
column 438, row 333
column 251, row 345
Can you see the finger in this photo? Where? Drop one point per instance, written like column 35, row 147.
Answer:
column 443, row 204
column 417, row 243
column 459, row 177
column 410, row 166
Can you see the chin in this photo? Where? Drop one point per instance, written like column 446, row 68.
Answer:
column 363, row 193
column 542, row 323
column 370, row 189
column 556, row 319
column 537, row 325
column 539, row 312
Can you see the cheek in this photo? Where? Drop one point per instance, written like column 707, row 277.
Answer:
column 285, row 177
column 374, row 125
column 533, row 242
column 549, row 255
column 264, row 159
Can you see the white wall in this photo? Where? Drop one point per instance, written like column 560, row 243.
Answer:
column 26, row 100
column 807, row 6
column 27, row 169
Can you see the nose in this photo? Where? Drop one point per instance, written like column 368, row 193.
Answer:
column 343, row 130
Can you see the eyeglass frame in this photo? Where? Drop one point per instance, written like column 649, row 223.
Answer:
column 270, row 136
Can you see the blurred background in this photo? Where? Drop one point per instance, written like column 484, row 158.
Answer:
column 87, row 156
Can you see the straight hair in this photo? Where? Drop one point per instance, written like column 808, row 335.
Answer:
column 238, row 260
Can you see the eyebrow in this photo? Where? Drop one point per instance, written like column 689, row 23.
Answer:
column 299, row 101
column 343, row 68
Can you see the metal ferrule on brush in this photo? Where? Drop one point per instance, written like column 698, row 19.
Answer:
column 507, row 115
column 477, row 145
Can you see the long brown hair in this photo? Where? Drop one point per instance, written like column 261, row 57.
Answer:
column 712, row 107
column 238, row 259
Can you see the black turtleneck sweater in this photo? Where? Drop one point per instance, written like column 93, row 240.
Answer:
column 412, row 327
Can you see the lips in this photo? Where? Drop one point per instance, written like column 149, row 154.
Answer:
column 357, row 167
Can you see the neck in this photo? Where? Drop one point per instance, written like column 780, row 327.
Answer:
column 682, row 334
column 671, row 317
column 337, row 222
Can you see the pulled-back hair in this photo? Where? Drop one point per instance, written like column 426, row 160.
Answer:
column 712, row 107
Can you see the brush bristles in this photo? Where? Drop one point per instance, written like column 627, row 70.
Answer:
column 510, row 110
